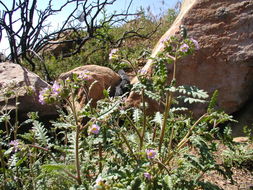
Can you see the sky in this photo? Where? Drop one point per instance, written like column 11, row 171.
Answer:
column 157, row 7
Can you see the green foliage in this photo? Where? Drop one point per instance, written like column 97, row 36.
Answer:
column 241, row 155
column 113, row 147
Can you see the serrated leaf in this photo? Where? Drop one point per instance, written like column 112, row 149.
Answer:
column 158, row 118
column 137, row 115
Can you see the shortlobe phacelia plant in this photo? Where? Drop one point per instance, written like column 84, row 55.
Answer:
column 113, row 147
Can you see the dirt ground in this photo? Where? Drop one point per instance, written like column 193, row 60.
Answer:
column 243, row 176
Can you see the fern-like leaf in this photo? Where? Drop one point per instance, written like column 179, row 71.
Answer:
column 40, row 133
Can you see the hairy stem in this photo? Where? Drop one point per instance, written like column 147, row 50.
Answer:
column 16, row 119
column 128, row 146
column 77, row 161
column 144, row 120
column 133, row 125
column 100, row 157
column 186, row 137
column 3, row 166
column 169, row 96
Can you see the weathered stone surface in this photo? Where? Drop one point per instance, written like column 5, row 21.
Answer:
column 224, row 62
column 100, row 78
column 20, row 78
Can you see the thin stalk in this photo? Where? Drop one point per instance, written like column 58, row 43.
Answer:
column 171, row 138
column 186, row 137
column 100, row 157
column 165, row 117
column 3, row 166
column 133, row 125
column 16, row 119
column 77, row 161
column 144, row 120
column 169, row 96
column 128, row 146
column 78, row 129
column 154, row 133
column 6, row 122
column 163, row 165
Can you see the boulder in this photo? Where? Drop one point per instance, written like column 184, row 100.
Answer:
column 100, row 78
column 18, row 79
column 61, row 45
column 224, row 62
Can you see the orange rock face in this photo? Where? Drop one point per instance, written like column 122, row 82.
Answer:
column 224, row 30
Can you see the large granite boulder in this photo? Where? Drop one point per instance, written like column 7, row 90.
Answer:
column 224, row 30
column 16, row 78
column 98, row 79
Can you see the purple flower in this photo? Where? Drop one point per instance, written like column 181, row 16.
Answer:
column 196, row 44
column 15, row 144
column 94, row 129
column 184, row 48
column 56, row 88
column 113, row 51
column 166, row 39
column 142, row 71
column 147, row 175
column 99, row 181
column 85, row 75
column 42, row 96
column 151, row 153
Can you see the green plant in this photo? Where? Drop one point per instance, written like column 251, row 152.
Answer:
column 111, row 147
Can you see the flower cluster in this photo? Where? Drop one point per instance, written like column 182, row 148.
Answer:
column 15, row 144
column 85, row 75
column 50, row 94
column 196, row 44
column 184, row 48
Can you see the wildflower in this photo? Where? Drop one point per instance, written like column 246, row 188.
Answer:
column 85, row 75
column 94, row 129
column 196, row 44
column 165, row 40
column 113, row 51
column 56, row 88
column 142, row 71
column 15, row 144
column 99, row 181
column 42, row 95
column 151, row 153
column 147, row 175
column 184, row 48
column 100, row 184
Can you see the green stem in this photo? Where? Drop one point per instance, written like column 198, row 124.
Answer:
column 144, row 120
column 77, row 161
column 3, row 166
column 6, row 122
column 171, row 138
column 133, row 125
column 16, row 119
column 163, row 165
column 100, row 157
column 165, row 117
column 186, row 138
column 128, row 146
column 169, row 96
